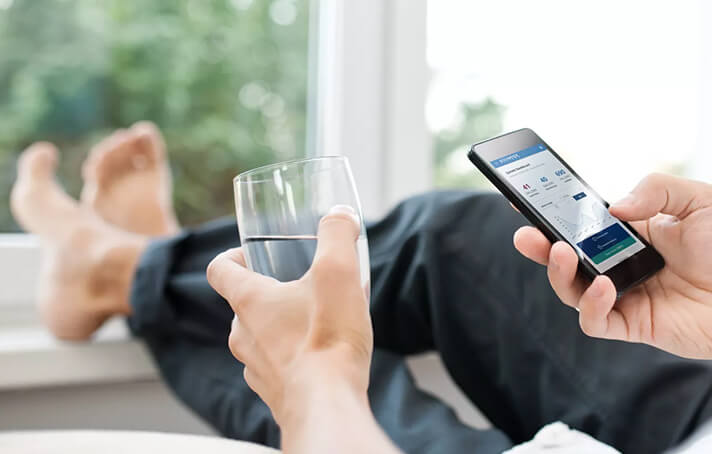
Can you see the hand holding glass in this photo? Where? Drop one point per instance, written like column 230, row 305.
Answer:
column 278, row 212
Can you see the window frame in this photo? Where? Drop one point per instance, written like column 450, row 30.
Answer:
column 372, row 81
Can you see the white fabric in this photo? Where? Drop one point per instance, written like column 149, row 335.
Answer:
column 700, row 446
column 699, row 442
column 558, row 438
column 119, row 442
column 555, row 438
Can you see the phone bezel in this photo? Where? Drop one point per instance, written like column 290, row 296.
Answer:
column 626, row 274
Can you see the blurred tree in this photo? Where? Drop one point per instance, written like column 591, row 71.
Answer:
column 476, row 122
column 225, row 80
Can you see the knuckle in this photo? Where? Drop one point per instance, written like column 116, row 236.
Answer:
column 254, row 380
column 327, row 262
column 587, row 327
column 211, row 270
column 249, row 378
column 232, row 341
column 235, row 345
column 241, row 297
column 249, row 292
column 241, row 345
column 334, row 265
column 654, row 180
column 214, row 270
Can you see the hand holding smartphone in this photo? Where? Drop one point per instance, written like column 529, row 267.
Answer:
column 673, row 311
column 549, row 193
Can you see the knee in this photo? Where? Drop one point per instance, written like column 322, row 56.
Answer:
column 437, row 211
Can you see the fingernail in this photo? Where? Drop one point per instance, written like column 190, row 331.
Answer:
column 347, row 210
column 596, row 289
column 625, row 201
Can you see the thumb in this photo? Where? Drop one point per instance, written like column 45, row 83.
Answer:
column 660, row 193
column 338, row 231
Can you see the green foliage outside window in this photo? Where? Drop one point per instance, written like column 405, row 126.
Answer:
column 225, row 80
column 477, row 121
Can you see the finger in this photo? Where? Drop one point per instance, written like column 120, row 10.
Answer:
column 241, row 342
column 563, row 264
column 229, row 276
column 597, row 315
column 257, row 384
column 338, row 232
column 660, row 193
column 642, row 228
column 246, row 350
column 250, row 378
column 532, row 244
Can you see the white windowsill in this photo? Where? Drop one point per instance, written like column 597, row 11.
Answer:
column 30, row 358
column 20, row 256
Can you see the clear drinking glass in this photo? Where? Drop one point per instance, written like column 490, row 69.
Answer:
column 279, row 207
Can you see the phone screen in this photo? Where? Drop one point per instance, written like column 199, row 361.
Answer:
column 566, row 203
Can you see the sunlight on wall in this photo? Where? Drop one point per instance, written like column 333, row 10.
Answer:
column 614, row 87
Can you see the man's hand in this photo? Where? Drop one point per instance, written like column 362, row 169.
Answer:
column 307, row 344
column 673, row 309
column 297, row 337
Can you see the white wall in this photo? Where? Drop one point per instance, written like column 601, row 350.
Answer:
column 145, row 405
column 150, row 406
column 703, row 165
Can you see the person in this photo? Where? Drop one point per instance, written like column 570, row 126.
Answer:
column 444, row 278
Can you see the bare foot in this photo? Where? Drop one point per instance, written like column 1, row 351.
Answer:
column 127, row 181
column 88, row 264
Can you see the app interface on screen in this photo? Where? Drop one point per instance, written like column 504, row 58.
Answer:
column 565, row 202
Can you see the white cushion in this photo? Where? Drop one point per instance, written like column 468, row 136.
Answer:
column 121, row 442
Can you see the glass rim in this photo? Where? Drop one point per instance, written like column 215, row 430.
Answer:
column 277, row 165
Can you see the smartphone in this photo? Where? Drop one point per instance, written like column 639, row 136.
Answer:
column 547, row 191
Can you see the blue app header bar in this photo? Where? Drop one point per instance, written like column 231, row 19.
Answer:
column 510, row 158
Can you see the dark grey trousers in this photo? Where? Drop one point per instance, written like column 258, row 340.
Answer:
column 445, row 277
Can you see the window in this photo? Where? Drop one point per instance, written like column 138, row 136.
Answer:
column 615, row 87
column 225, row 80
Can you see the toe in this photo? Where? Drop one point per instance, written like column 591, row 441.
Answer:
column 116, row 161
column 37, row 201
column 140, row 148
column 150, row 140
column 98, row 154
column 136, row 148
column 37, row 162
column 147, row 127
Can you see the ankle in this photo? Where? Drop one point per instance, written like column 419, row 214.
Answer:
column 114, row 274
column 76, row 299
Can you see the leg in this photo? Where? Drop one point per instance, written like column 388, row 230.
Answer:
column 446, row 277
column 186, row 324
